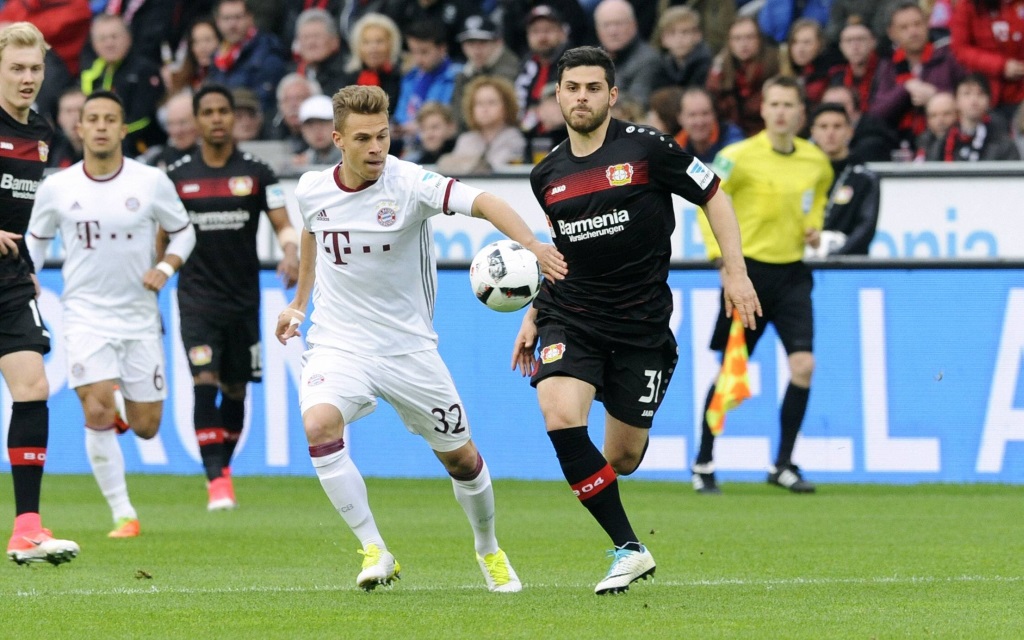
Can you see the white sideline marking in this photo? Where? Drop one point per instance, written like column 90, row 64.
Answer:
column 718, row 582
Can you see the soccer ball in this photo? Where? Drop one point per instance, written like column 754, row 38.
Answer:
column 505, row 275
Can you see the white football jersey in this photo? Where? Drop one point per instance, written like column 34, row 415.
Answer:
column 376, row 274
column 108, row 229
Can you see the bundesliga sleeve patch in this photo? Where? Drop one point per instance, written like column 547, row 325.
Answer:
column 722, row 166
column 275, row 196
column 700, row 173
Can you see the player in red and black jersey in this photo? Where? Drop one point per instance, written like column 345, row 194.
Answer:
column 603, row 330
column 24, row 146
column 225, row 191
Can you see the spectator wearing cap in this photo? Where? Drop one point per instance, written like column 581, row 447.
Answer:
column 451, row 14
column 486, row 55
column 432, row 76
column 321, row 56
column 248, row 115
column 247, row 57
column 548, row 38
column 317, row 116
column 578, row 20
column 636, row 62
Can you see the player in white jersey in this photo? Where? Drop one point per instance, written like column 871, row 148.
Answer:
column 369, row 249
column 107, row 209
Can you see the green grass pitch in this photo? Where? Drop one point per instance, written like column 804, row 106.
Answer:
column 921, row 561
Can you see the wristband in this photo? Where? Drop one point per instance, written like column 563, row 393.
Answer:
column 164, row 268
column 288, row 235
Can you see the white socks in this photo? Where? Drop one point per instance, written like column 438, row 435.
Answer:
column 107, row 462
column 346, row 489
column 477, row 499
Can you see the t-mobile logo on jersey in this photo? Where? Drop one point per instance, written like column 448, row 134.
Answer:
column 336, row 244
column 88, row 231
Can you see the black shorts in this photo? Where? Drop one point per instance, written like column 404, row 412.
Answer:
column 631, row 382
column 21, row 326
column 228, row 345
column 785, row 294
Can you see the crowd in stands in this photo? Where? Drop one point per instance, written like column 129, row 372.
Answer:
column 471, row 82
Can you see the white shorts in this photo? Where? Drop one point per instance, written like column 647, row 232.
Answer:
column 418, row 385
column 137, row 364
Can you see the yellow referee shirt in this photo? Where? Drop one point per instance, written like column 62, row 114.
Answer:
column 777, row 196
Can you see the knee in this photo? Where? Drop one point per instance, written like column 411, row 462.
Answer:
column 234, row 391
column 801, row 367
column 461, row 463
column 147, row 427
column 322, row 427
column 33, row 390
column 623, row 463
column 97, row 414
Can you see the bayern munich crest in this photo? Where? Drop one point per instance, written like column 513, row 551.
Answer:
column 240, row 185
column 386, row 214
column 619, row 174
column 132, row 204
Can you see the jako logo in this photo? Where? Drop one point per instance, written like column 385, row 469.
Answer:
column 559, row 189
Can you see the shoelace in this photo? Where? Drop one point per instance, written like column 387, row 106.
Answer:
column 370, row 557
column 497, row 568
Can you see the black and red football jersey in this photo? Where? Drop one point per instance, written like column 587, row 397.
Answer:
column 612, row 218
column 224, row 204
column 24, row 149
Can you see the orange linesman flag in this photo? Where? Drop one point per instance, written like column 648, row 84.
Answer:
column 733, row 385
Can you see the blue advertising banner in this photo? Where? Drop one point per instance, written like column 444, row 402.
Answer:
column 919, row 378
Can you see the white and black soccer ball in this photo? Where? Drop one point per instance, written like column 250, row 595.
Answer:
column 505, row 275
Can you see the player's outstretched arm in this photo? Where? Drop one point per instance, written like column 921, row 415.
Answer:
column 738, row 290
column 291, row 317
column 525, row 348
column 288, row 238
column 506, row 220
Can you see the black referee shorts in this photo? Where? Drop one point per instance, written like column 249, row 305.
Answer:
column 630, row 381
column 785, row 294
column 228, row 345
column 21, row 326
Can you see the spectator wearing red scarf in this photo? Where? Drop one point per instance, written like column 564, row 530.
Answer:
column 247, row 57
column 376, row 46
column 977, row 134
column 917, row 71
column 738, row 73
column 858, row 46
column 988, row 37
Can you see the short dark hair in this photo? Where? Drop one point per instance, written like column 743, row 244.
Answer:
column 429, row 30
column 830, row 107
column 902, row 5
column 207, row 89
column 587, row 57
column 105, row 95
column 976, row 79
